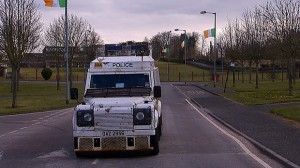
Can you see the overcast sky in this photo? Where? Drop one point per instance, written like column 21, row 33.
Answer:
column 124, row 20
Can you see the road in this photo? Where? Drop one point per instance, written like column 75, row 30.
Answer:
column 190, row 139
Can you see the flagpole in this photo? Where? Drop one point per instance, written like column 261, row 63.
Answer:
column 168, row 52
column 67, row 54
column 215, row 49
column 184, row 45
column 215, row 44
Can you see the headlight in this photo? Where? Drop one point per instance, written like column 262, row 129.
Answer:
column 85, row 118
column 142, row 116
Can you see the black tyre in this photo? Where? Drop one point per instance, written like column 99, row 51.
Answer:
column 79, row 154
column 160, row 126
column 154, row 142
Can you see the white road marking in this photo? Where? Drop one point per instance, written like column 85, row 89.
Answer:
column 15, row 115
column 1, row 154
column 23, row 128
column 60, row 153
column 13, row 131
column 95, row 162
column 38, row 121
column 247, row 151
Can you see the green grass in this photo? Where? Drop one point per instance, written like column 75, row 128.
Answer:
column 292, row 113
column 42, row 96
column 35, row 97
column 32, row 74
column 177, row 72
column 268, row 92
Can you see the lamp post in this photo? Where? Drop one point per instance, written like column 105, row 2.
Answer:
column 184, row 53
column 67, row 55
column 215, row 42
column 168, row 52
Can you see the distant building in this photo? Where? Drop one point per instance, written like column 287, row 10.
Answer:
column 53, row 56
column 33, row 60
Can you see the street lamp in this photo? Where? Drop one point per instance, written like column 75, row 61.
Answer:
column 67, row 55
column 168, row 54
column 184, row 53
column 215, row 42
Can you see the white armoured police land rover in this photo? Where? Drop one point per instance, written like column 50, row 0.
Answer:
column 121, row 109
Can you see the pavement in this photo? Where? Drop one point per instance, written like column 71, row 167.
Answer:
column 275, row 136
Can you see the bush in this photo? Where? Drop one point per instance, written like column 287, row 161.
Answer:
column 46, row 73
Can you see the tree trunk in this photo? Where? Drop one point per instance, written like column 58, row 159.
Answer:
column 256, row 75
column 18, row 78
column 243, row 77
column 36, row 75
column 57, row 73
column 290, row 76
column 57, row 78
column 70, row 75
column 273, row 71
column 294, row 70
column 250, row 74
column 233, row 80
column 14, row 86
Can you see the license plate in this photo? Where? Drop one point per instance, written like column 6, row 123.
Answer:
column 113, row 133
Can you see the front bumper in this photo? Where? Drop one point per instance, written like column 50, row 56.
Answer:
column 89, row 141
column 89, row 144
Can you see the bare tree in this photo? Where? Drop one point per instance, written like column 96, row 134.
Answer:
column 92, row 43
column 282, row 19
column 192, row 41
column 221, row 51
column 51, row 38
column 229, row 45
column 77, row 29
column 255, row 37
column 158, row 42
column 20, row 27
column 248, row 37
column 202, row 44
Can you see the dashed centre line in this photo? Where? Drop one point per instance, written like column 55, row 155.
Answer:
column 95, row 162
column 37, row 122
column 1, row 154
column 194, row 92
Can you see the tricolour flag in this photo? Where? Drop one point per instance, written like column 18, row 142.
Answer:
column 165, row 50
column 182, row 44
column 210, row 33
column 55, row 3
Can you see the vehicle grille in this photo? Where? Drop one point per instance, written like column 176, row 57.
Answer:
column 114, row 121
column 86, row 143
column 141, row 142
column 113, row 143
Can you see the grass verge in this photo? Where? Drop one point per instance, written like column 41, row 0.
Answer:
column 268, row 92
column 41, row 96
column 292, row 113
column 35, row 97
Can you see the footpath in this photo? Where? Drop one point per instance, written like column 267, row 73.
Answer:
column 275, row 136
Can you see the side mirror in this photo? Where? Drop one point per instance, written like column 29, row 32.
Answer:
column 74, row 93
column 157, row 91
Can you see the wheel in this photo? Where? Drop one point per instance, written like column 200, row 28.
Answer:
column 160, row 126
column 154, row 142
column 79, row 154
